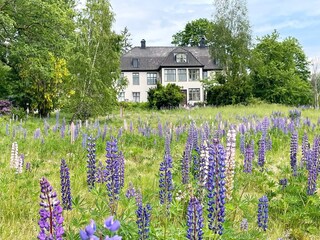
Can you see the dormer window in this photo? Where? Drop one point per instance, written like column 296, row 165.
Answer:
column 135, row 62
column 181, row 58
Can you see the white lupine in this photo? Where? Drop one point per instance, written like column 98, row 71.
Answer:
column 19, row 164
column 230, row 161
column 204, row 164
column 14, row 155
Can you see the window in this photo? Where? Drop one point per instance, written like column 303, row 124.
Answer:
column 181, row 58
column 151, row 78
column 135, row 62
column 135, row 78
column 194, row 74
column 169, row 75
column 121, row 96
column 194, row 94
column 182, row 75
column 204, row 74
column 136, row 96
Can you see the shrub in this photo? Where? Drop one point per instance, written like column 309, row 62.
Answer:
column 5, row 107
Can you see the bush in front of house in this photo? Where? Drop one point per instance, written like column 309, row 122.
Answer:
column 5, row 107
column 169, row 96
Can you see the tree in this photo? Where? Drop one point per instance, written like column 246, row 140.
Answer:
column 34, row 36
column 126, row 39
column 95, row 63
column 279, row 71
column 230, row 39
column 315, row 80
column 193, row 32
column 168, row 96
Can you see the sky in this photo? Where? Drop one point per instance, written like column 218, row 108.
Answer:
column 157, row 20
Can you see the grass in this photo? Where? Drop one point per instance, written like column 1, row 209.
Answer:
column 292, row 213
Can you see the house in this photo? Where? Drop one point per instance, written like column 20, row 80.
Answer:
column 144, row 66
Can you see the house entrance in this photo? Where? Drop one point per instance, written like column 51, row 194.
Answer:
column 185, row 99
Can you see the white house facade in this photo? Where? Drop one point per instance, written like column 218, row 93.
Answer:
column 144, row 66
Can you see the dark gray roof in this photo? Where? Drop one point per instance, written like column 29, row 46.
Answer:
column 153, row 58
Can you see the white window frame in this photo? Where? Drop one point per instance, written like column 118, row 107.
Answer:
column 136, row 96
column 170, row 72
column 182, row 74
column 152, row 78
column 194, row 94
column 135, row 79
column 194, row 74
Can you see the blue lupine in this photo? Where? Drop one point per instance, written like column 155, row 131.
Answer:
column 143, row 214
column 262, row 152
column 242, row 143
column 131, row 192
column 293, row 152
column 248, row 157
column 115, row 173
column 312, row 165
column 216, row 188
column 283, row 182
column 65, row 186
column 263, row 208
column 185, row 163
column 101, row 173
column 165, row 181
column 244, row 225
column 304, row 148
column 194, row 219
column 51, row 220
column 90, row 231
column 91, row 162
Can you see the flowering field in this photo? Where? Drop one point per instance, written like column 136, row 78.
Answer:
column 205, row 173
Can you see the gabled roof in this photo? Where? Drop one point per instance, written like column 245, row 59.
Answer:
column 154, row 58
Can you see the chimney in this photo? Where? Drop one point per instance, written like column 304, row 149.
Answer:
column 202, row 42
column 143, row 44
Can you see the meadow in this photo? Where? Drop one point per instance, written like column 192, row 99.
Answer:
column 286, row 175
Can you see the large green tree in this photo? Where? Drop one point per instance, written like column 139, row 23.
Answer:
column 95, row 64
column 193, row 32
column 280, row 72
column 34, row 37
column 230, row 39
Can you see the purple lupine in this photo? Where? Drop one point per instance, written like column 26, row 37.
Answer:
column 28, row 167
column 304, row 148
column 131, row 192
column 263, row 209
column 84, row 140
column 216, row 188
column 143, row 214
column 65, row 186
column 51, row 220
column 293, row 152
column 101, row 173
column 91, row 162
column 185, row 163
column 89, row 233
column 37, row 133
column 244, row 225
column 262, row 152
column 283, row 182
column 114, row 167
column 312, row 166
column 268, row 143
column 194, row 219
column 242, row 143
column 248, row 157
column 160, row 131
column 165, row 181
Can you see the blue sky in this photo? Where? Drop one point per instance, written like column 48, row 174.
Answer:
column 157, row 20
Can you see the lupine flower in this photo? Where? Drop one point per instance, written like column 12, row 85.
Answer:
column 89, row 233
column 204, row 164
column 293, row 152
column 283, row 182
column 143, row 214
column 91, row 166
column 115, row 173
column 14, row 155
column 262, row 152
column 165, row 181
column 37, row 133
column 216, row 188
column 101, row 173
column 194, row 219
column 244, row 225
column 304, row 148
column 230, row 161
column 131, row 192
column 248, row 157
column 242, row 143
column 312, row 164
column 185, row 163
column 65, row 186
column 263, row 208
column 72, row 132
column 28, row 166
column 19, row 163
column 51, row 220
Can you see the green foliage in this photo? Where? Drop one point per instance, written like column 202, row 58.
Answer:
column 279, row 71
column 95, row 62
column 169, row 96
column 193, row 32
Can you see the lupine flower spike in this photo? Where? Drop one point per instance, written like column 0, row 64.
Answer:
column 263, row 209
column 194, row 219
column 90, row 232
column 65, row 186
column 51, row 220
column 230, row 161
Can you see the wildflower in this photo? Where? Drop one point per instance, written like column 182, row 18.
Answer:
column 65, row 185
column 91, row 167
column 28, row 166
column 101, row 173
column 130, row 191
column 304, row 148
column 143, row 214
column 194, row 219
column 248, row 157
column 263, row 212
column 293, row 152
column 14, row 155
column 244, row 225
column 90, row 232
column 283, row 182
column 262, row 152
column 230, row 161
column 216, row 188
column 111, row 225
column 312, row 166
column 51, row 220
